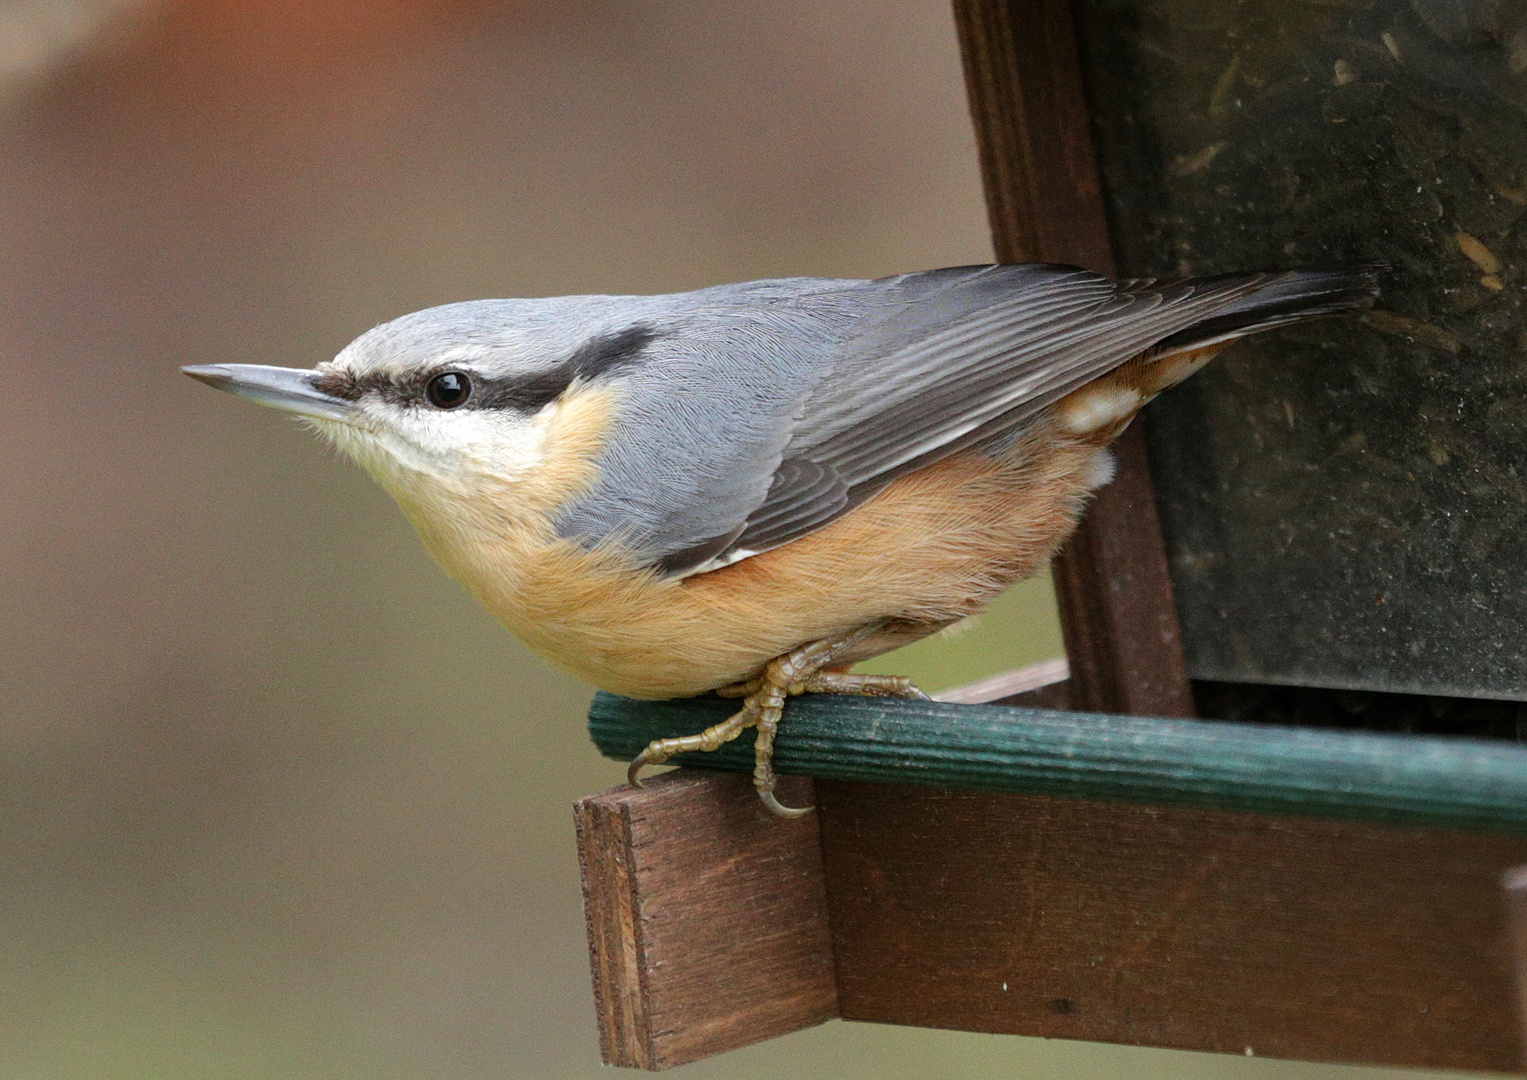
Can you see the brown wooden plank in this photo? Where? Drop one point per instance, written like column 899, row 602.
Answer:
column 1045, row 204
column 707, row 918
column 1515, row 882
column 1195, row 929
column 1038, row 166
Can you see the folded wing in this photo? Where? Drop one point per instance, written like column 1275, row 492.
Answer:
column 951, row 357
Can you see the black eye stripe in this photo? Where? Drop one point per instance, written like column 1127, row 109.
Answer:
column 593, row 358
column 527, row 393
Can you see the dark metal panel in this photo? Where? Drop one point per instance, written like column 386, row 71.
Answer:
column 1343, row 503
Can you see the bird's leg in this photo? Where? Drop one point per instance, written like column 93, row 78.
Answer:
column 800, row 671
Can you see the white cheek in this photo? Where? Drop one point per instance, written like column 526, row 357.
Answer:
column 501, row 443
column 497, row 442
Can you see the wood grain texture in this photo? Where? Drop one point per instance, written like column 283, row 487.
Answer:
column 707, row 918
column 1452, row 782
column 1038, row 166
column 1190, row 928
column 1046, row 205
column 1514, row 881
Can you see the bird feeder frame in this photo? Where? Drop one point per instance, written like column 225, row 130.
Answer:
column 1006, row 868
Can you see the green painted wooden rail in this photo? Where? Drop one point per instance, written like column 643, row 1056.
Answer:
column 1457, row 783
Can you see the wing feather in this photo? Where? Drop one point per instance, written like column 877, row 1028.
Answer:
column 761, row 412
column 951, row 365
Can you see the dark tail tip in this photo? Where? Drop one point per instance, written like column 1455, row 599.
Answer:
column 1289, row 298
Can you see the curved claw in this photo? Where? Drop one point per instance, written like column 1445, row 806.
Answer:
column 917, row 695
column 779, row 809
column 634, row 770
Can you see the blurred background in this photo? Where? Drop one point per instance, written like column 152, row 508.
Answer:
column 276, row 799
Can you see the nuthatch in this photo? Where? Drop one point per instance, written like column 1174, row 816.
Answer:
column 750, row 488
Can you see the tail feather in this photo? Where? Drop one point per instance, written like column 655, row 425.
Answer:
column 1288, row 298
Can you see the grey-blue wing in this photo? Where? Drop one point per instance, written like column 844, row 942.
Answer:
column 703, row 419
column 947, row 358
column 761, row 412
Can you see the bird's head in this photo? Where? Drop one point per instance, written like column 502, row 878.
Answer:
column 457, row 401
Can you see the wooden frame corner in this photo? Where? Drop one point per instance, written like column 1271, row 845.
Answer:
column 707, row 918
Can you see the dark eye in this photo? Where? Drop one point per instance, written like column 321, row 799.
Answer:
column 448, row 389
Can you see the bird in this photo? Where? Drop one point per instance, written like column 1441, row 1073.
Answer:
column 751, row 487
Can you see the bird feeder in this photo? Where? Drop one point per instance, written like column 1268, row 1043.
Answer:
column 1313, row 545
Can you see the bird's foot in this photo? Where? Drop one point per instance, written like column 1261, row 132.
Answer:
column 799, row 671
column 712, row 738
column 838, row 682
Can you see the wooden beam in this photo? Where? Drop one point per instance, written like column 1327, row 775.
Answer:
column 1172, row 927
column 1045, row 203
column 1515, row 882
column 1038, row 167
column 707, row 918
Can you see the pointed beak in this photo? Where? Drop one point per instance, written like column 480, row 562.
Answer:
column 293, row 389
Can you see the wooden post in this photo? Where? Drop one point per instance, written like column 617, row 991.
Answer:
column 1515, row 882
column 1046, row 205
column 707, row 918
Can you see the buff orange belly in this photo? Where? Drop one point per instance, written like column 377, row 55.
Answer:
column 932, row 548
